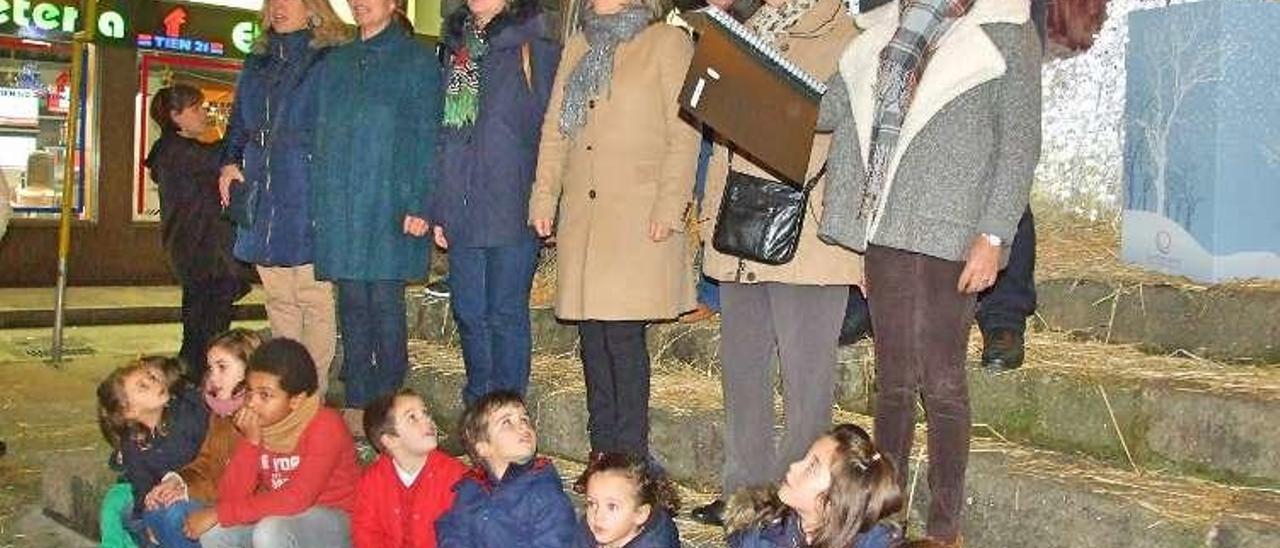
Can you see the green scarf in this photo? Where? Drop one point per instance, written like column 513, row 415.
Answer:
column 462, row 96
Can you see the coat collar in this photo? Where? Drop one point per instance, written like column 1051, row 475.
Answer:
column 965, row 58
column 482, row 476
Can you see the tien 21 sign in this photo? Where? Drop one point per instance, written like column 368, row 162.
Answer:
column 166, row 26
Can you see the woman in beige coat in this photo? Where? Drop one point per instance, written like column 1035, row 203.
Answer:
column 791, row 311
column 613, row 178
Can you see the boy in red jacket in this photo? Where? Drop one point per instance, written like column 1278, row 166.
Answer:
column 291, row 480
column 402, row 493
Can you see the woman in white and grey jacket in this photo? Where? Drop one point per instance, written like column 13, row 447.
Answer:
column 937, row 228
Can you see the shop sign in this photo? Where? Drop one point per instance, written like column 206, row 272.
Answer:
column 165, row 26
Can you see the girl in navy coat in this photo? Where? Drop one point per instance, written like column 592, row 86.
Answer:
column 837, row 496
column 499, row 64
column 629, row 505
column 155, row 420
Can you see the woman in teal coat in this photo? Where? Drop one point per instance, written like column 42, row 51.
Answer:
column 373, row 167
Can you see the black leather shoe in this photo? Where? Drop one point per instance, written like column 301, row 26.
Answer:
column 1002, row 350
column 709, row 514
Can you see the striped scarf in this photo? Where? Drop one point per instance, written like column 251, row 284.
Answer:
column 921, row 24
column 462, row 95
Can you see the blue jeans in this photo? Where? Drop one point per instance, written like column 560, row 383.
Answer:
column 166, row 524
column 375, row 338
column 490, row 299
column 708, row 289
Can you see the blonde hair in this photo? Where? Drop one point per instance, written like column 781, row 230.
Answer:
column 330, row 31
column 571, row 22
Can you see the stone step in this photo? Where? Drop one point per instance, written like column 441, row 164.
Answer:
column 1238, row 321
column 1018, row 496
column 1186, row 413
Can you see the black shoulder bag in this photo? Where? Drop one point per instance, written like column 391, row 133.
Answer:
column 760, row 219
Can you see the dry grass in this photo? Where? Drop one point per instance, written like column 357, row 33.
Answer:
column 1071, row 247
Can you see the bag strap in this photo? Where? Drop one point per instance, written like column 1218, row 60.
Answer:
column 527, row 64
column 808, row 186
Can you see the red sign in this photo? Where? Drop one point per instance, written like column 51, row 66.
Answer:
column 174, row 22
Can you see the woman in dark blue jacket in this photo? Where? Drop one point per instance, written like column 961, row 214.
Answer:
column 499, row 64
column 268, row 150
column 379, row 111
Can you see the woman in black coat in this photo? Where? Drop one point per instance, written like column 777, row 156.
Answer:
column 193, row 231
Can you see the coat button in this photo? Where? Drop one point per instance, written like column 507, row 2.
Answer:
column 591, row 103
column 784, row 46
column 591, row 194
column 751, row 276
column 589, row 147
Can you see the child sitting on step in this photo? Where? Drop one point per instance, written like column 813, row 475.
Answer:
column 836, row 496
column 510, row 497
column 291, row 480
column 157, row 423
column 195, row 485
column 629, row 504
column 409, row 486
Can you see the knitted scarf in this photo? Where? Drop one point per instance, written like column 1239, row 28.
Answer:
column 283, row 436
column 462, row 95
column 773, row 22
column 595, row 70
column 921, row 24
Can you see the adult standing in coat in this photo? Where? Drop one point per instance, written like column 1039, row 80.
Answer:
column 789, row 312
column 499, row 65
column 268, row 146
column 193, row 231
column 614, row 164
column 936, row 113
column 379, row 111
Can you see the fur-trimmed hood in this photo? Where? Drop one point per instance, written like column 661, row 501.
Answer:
column 965, row 58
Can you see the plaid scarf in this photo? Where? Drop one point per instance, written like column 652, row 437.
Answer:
column 462, row 95
column 921, row 24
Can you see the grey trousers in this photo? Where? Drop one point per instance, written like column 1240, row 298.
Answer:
column 797, row 325
column 318, row 526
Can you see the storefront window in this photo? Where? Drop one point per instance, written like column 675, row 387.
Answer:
column 215, row 78
column 35, row 91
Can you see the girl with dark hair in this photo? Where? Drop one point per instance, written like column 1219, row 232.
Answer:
column 192, row 229
column 629, row 504
column 378, row 112
column 836, row 496
column 499, row 63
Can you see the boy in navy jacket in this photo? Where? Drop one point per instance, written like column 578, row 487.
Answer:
column 510, row 497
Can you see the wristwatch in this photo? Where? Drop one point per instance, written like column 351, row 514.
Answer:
column 992, row 239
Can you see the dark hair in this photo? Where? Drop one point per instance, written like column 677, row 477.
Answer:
column 112, row 400
column 288, row 360
column 515, row 12
column 474, row 427
column 652, row 486
column 378, row 420
column 175, row 98
column 863, row 491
